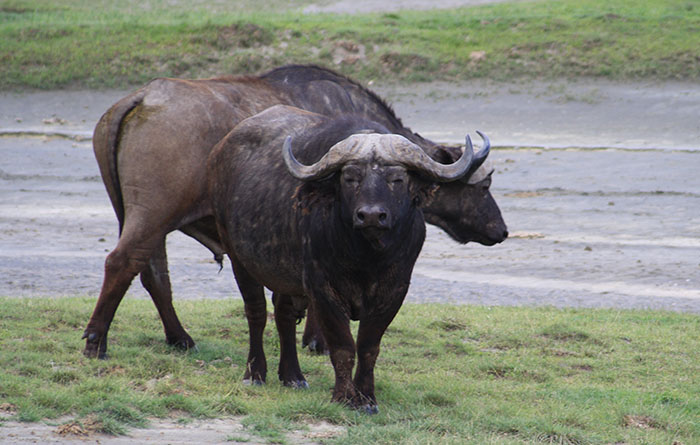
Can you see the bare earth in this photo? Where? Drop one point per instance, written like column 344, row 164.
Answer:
column 160, row 432
column 590, row 227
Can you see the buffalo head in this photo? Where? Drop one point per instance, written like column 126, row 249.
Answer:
column 465, row 209
column 376, row 188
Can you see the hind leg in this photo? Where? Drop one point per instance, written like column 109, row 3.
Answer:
column 313, row 335
column 256, row 314
column 156, row 279
column 128, row 259
column 286, row 320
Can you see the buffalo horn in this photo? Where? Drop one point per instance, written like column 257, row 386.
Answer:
column 481, row 155
column 427, row 166
column 480, row 168
column 297, row 169
column 331, row 161
column 390, row 148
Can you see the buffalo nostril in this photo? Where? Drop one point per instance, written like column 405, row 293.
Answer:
column 372, row 216
column 505, row 234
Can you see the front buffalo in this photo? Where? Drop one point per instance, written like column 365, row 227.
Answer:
column 344, row 231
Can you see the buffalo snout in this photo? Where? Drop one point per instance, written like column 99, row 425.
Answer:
column 495, row 233
column 376, row 216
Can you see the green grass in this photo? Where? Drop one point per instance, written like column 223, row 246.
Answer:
column 79, row 43
column 445, row 375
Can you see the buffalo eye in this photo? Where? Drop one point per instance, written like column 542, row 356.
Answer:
column 397, row 177
column 351, row 176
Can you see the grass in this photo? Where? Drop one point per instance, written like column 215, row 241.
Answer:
column 445, row 375
column 98, row 44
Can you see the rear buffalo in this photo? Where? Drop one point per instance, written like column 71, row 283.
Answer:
column 152, row 146
column 342, row 226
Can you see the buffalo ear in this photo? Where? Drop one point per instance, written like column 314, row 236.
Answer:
column 314, row 193
column 422, row 191
column 445, row 154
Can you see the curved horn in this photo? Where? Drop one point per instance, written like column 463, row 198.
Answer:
column 478, row 161
column 297, row 169
column 437, row 171
column 400, row 150
column 480, row 157
column 331, row 161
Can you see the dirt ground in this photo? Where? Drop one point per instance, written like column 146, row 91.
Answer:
column 160, row 432
column 589, row 227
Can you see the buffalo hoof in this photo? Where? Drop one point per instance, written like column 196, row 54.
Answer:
column 370, row 409
column 253, row 382
column 183, row 343
column 317, row 347
column 297, row 384
column 364, row 404
column 95, row 345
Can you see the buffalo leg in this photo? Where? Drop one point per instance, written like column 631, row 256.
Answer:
column 256, row 314
column 128, row 259
column 285, row 319
column 313, row 336
column 336, row 329
column 369, row 335
column 156, row 279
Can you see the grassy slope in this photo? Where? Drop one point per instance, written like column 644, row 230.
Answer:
column 445, row 375
column 69, row 44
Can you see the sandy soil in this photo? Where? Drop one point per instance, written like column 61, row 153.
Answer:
column 159, row 432
column 580, row 114
column 611, row 228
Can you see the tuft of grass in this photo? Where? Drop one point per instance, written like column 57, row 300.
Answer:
column 117, row 44
column 269, row 427
column 564, row 333
column 446, row 374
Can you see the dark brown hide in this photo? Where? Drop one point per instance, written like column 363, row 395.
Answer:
column 350, row 269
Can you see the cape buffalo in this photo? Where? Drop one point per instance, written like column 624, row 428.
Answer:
column 152, row 146
column 345, row 230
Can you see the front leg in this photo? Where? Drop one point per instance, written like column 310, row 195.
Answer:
column 369, row 336
column 335, row 326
